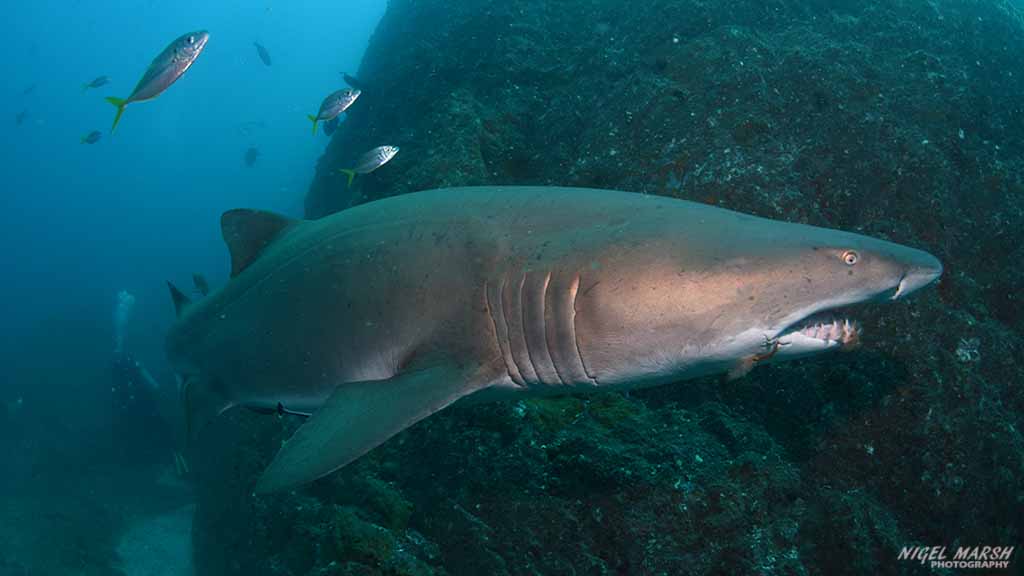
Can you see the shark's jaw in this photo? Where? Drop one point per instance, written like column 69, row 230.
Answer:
column 807, row 319
column 826, row 325
column 829, row 330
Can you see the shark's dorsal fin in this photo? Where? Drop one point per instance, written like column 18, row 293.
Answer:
column 248, row 232
column 179, row 299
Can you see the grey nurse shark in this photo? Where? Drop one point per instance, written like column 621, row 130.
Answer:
column 376, row 317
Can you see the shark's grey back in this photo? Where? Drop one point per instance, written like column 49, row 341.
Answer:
column 356, row 295
column 458, row 272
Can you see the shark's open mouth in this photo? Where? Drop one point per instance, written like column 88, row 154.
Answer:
column 820, row 331
column 829, row 326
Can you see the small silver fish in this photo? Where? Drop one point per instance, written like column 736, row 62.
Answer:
column 262, row 51
column 334, row 104
column 96, row 83
column 165, row 69
column 92, row 137
column 370, row 161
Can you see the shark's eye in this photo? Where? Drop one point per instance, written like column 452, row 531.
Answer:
column 191, row 39
column 850, row 257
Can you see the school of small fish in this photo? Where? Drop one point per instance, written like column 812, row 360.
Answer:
column 178, row 56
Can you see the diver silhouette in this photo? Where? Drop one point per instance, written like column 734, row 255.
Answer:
column 142, row 436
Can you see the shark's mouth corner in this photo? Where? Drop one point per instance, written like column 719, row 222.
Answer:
column 900, row 288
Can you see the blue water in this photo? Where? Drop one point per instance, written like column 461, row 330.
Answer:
column 895, row 119
column 82, row 222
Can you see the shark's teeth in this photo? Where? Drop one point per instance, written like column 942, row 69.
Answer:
column 841, row 330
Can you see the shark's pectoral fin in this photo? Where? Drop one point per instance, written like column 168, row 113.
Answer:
column 360, row 416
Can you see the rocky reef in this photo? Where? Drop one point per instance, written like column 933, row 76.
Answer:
column 899, row 119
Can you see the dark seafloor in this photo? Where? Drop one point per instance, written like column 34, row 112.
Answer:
column 899, row 119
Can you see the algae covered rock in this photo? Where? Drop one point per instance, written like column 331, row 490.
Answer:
column 897, row 119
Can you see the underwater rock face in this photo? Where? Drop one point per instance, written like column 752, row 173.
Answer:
column 897, row 119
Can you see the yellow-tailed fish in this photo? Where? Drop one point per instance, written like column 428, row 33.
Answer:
column 334, row 104
column 166, row 68
column 370, row 161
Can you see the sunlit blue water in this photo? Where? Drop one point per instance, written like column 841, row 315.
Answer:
column 81, row 222
column 802, row 111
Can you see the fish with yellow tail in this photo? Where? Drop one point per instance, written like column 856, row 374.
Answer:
column 166, row 68
column 334, row 104
column 370, row 161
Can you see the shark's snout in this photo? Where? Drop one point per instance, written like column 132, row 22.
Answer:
column 922, row 270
